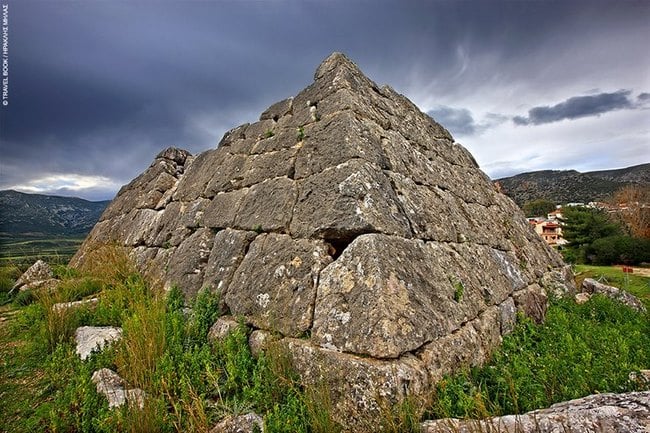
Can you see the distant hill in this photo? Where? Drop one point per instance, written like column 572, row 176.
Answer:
column 44, row 215
column 566, row 186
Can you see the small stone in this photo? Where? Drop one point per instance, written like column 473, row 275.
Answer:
column 583, row 297
column 112, row 386
column 259, row 341
column 90, row 338
column 222, row 328
column 641, row 377
column 248, row 423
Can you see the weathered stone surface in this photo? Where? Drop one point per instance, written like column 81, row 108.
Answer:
column 360, row 388
column 267, row 206
column 468, row 346
column 592, row 286
column 222, row 328
column 583, row 297
column 275, row 285
column 337, row 140
column 347, row 200
column 36, row 275
column 90, row 338
column 621, row 413
column 559, row 282
column 147, row 190
column 228, row 251
column 532, row 302
column 187, row 262
column 386, row 295
column 349, row 218
column 112, row 386
column 277, row 110
column 247, row 423
column 259, row 341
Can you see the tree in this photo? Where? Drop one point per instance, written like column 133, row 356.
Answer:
column 539, row 207
column 619, row 249
column 581, row 227
column 634, row 209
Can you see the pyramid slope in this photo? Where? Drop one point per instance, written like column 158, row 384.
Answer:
column 346, row 215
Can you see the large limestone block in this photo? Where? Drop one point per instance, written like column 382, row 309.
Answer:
column 275, row 286
column 468, row 346
column 187, row 262
column 267, row 206
column 592, row 286
column 386, row 295
column 113, row 387
column 350, row 199
column 336, row 140
column 361, row 390
column 197, row 176
column 227, row 173
column 228, row 251
column 381, row 298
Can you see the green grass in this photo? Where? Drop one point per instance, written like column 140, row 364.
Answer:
column 190, row 384
column 579, row 350
column 26, row 250
column 636, row 284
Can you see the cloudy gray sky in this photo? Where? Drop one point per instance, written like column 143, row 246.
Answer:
column 98, row 87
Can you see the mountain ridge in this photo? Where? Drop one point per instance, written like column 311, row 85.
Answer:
column 566, row 186
column 23, row 213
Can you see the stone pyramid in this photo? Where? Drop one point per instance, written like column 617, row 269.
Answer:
column 350, row 227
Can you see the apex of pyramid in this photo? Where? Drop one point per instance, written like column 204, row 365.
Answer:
column 336, row 61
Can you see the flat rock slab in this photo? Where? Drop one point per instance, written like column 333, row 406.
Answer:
column 89, row 338
column 621, row 413
column 112, row 386
column 592, row 286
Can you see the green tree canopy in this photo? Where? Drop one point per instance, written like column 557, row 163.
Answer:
column 582, row 227
column 539, row 207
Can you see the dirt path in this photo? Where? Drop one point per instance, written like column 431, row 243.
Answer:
column 644, row 272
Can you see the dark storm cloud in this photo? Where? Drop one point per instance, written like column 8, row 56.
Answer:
column 98, row 88
column 577, row 107
column 460, row 121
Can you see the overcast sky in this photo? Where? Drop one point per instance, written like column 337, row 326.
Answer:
column 98, row 88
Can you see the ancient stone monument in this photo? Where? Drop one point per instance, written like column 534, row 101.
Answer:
column 351, row 228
